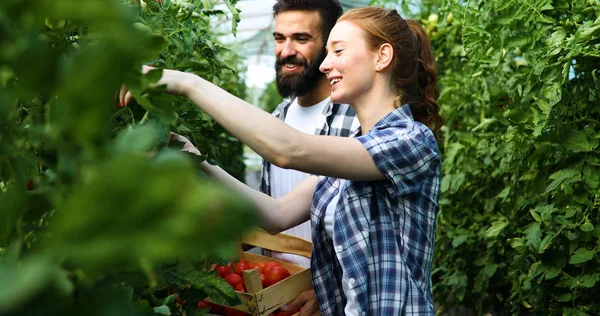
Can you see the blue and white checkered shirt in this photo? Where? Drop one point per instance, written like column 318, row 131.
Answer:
column 340, row 120
column 384, row 230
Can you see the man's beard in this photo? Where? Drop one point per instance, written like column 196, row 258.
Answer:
column 294, row 85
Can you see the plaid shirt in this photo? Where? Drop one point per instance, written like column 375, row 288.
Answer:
column 384, row 230
column 340, row 120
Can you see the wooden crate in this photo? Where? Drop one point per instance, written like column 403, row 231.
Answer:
column 261, row 302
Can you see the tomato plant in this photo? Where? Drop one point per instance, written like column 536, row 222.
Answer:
column 519, row 225
column 99, row 215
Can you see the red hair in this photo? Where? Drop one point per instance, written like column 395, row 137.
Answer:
column 413, row 65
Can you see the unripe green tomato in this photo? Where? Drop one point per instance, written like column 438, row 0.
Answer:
column 449, row 18
column 433, row 18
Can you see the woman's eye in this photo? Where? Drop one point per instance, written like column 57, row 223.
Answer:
column 337, row 51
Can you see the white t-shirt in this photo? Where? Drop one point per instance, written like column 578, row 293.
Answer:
column 306, row 120
column 351, row 307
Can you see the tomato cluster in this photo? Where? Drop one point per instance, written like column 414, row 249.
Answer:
column 270, row 273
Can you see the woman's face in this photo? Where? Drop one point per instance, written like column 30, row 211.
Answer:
column 350, row 63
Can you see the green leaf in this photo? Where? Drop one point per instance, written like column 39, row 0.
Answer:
column 533, row 235
column 535, row 215
column 477, row 29
column 162, row 310
column 578, row 142
column 154, row 75
column 496, row 228
column 536, row 269
column 546, row 243
column 543, row 105
column 567, row 297
column 582, row 255
column 557, row 38
column 21, row 284
column 587, row 227
column 552, row 273
column 587, row 280
column 563, row 176
column 446, row 180
column 459, row 240
column 235, row 15
column 516, row 242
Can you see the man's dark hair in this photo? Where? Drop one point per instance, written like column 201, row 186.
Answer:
column 329, row 10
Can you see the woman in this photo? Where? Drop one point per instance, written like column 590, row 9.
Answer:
column 374, row 208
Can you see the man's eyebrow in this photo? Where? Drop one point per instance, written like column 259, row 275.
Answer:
column 299, row 34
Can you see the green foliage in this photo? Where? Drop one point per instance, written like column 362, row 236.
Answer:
column 270, row 98
column 519, row 229
column 99, row 214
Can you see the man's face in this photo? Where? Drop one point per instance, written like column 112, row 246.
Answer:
column 299, row 50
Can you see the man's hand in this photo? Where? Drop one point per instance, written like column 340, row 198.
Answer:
column 306, row 302
column 187, row 144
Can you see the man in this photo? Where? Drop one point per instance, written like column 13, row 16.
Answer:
column 301, row 31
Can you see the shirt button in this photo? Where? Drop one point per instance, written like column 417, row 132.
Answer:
column 351, row 282
column 339, row 248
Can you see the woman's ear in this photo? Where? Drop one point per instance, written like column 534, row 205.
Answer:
column 385, row 54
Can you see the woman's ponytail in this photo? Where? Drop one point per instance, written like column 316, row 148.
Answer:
column 426, row 110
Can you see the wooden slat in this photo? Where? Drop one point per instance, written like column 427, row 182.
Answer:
column 271, row 298
column 252, row 281
column 280, row 242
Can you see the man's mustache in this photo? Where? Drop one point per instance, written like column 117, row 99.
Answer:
column 291, row 60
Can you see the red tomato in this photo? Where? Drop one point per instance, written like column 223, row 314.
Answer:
column 241, row 267
column 276, row 274
column 180, row 301
column 234, row 312
column 270, row 265
column 261, row 266
column 216, row 309
column 223, row 270
column 203, row 304
column 262, row 280
column 233, row 279
column 240, row 287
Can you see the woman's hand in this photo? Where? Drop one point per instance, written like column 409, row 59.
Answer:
column 177, row 83
column 187, row 144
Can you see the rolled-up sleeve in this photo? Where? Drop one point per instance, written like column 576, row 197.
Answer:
column 405, row 154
